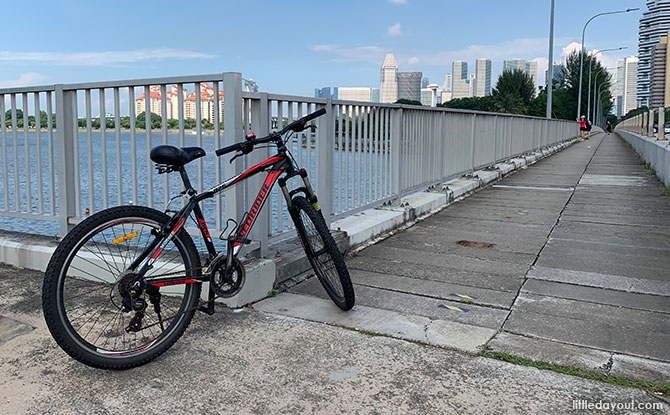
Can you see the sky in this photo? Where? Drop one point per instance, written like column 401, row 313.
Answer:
column 292, row 47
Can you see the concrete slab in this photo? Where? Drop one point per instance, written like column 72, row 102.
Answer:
column 541, row 350
column 436, row 289
column 636, row 368
column 441, row 333
column 594, row 279
column 410, row 304
column 613, row 180
column 10, row 328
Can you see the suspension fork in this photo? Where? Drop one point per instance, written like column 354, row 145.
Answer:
column 306, row 189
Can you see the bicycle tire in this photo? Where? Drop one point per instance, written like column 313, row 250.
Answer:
column 318, row 242
column 76, row 268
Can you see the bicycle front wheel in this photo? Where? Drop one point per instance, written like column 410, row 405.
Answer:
column 323, row 254
column 91, row 305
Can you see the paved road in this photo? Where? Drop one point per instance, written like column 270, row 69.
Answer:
column 567, row 261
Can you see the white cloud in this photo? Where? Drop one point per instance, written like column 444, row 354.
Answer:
column 373, row 54
column 515, row 48
column 395, row 30
column 100, row 58
column 25, row 79
column 398, row 1
column 413, row 60
column 570, row 48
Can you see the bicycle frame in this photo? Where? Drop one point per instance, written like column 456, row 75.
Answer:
column 275, row 166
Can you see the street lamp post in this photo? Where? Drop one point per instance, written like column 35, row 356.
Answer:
column 588, row 105
column 581, row 54
column 550, row 70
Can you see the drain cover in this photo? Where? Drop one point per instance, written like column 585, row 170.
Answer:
column 473, row 244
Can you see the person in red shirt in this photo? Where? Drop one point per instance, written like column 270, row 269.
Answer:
column 582, row 126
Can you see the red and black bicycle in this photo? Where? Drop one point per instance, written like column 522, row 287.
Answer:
column 124, row 284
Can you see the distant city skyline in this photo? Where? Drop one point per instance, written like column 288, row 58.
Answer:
column 329, row 54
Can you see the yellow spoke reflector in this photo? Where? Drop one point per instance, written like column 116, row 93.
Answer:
column 124, row 238
column 316, row 206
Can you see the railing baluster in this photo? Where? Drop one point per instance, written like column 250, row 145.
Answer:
column 147, row 144
column 133, row 141
column 15, row 148
column 26, row 153
column 198, row 126
column 38, row 151
column 117, row 131
column 89, row 144
column 5, row 166
column 280, row 197
column 217, row 145
column 103, row 136
column 164, row 130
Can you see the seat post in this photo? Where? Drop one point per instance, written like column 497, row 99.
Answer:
column 185, row 179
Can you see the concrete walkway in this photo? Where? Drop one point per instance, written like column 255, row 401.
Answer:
column 567, row 262
column 530, row 266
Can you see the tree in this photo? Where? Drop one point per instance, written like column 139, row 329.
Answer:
column 514, row 91
column 156, row 121
column 408, row 101
column 487, row 103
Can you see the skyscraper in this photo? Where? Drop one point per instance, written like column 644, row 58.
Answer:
column 654, row 23
column 660, row 69
column 460, row 86
column 531, row 69
column 627, row 77
column 512, row 64
column 447, row 83
column 409, row 85
column 388, row 85
column 483, row 77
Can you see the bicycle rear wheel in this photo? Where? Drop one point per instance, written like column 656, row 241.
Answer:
column 88, row 280
column 322, row 252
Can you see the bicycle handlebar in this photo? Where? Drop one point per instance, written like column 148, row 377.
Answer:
column 247, row 146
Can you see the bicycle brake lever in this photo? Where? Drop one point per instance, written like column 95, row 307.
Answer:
column 234, row 157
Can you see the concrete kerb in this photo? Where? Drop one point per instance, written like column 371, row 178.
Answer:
column 358, row 231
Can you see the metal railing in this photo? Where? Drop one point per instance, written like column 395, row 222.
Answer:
column 361, row 155
column 649, row 123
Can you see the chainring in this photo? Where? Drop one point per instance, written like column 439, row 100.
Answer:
column 227, row 282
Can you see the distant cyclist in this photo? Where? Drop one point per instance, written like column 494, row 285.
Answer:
column 608, row 126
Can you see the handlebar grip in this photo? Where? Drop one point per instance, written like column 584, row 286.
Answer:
column 225, row 150
column 313, row 115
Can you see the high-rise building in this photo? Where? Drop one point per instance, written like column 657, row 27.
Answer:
column 348, row 93
column 483, row 77
column 447, row 84
column 531, row 69
column 322, row 93
column 426, row 97
column 424, row 82
column 388, row 85
column 472, row 84
column 510, row 65
column 626, row 90
column 654, row 23
column 660, row 69
column 409, row 85
column 445, row 96
column 460, row 85
column 558, row 72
